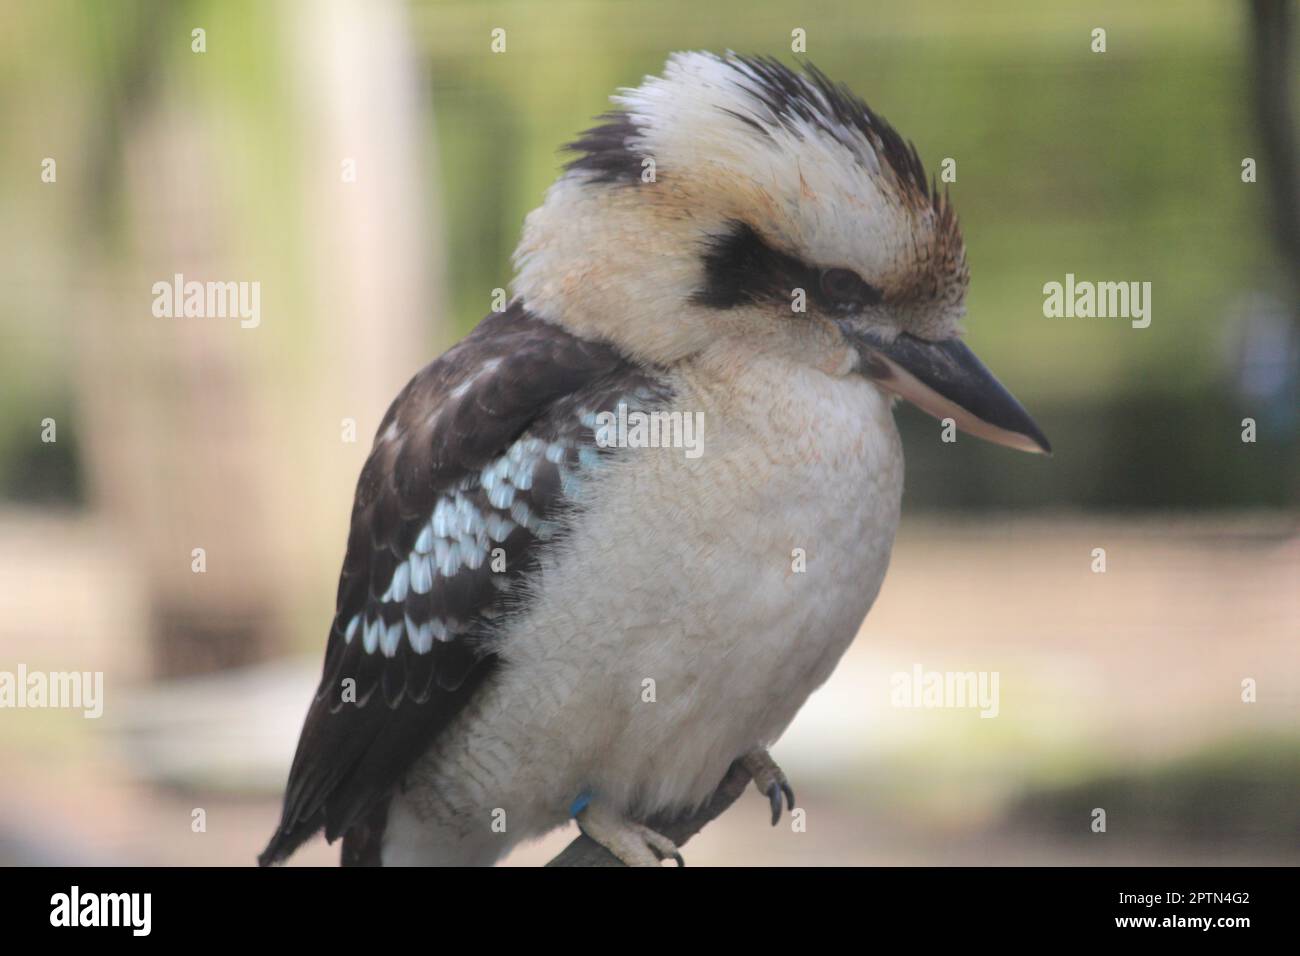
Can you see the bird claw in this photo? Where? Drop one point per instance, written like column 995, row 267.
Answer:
column 633, row 844
column 770, row 781
column 774, row 794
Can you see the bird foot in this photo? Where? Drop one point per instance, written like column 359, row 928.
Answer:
column 632, row 843
column 770, row 780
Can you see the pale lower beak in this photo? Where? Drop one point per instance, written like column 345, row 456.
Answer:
column 948, row 381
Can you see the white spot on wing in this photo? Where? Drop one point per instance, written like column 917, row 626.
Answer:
column 424, row 543
column 449, row 564
column 370, row 636
column 499, row 528
column 485, row 369
column 397, row 588
column 391, row 638
column 420, row 636
column 502, row 495
column 421, row 574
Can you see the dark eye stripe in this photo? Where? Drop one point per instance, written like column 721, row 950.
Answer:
column 848, row 290
column 740, row 269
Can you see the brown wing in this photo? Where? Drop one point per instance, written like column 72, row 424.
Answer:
column 479, row 452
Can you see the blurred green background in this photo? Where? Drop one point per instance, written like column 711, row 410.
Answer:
column 1123, row 165
column 173, row 434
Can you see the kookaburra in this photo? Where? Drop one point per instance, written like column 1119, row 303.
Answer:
column 537, row 622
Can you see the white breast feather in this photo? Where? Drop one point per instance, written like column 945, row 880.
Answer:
column 680, row 572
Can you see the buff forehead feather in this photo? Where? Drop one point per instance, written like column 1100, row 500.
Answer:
column 801, row 158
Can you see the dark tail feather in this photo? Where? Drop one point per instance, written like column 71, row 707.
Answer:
column 362, row 844
column 288, row 837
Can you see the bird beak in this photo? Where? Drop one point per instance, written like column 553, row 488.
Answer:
column 948, row 381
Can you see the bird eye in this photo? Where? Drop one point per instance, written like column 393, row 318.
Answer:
column 846, row 289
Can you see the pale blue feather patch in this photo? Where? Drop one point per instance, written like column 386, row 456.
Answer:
column 421, row 574
column 522, row 476
column 449, row 562
column 499, row 528
column 501, row 495
column 397, row 587
column 420, row 636
column 473, row 550
column 391, row 638
column 424, row 543
column 370, row 636
column 523, row 515
column 473, row 521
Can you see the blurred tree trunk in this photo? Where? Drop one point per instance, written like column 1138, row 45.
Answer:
column 201, row 434
column 1273, row 39
column 1273, row 43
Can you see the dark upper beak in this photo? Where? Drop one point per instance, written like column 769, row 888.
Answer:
column 948, row 381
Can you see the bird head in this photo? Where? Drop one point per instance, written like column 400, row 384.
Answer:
column 735, row 203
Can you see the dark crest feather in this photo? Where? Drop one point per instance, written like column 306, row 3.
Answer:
column 814, row 98
column 605, row 152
